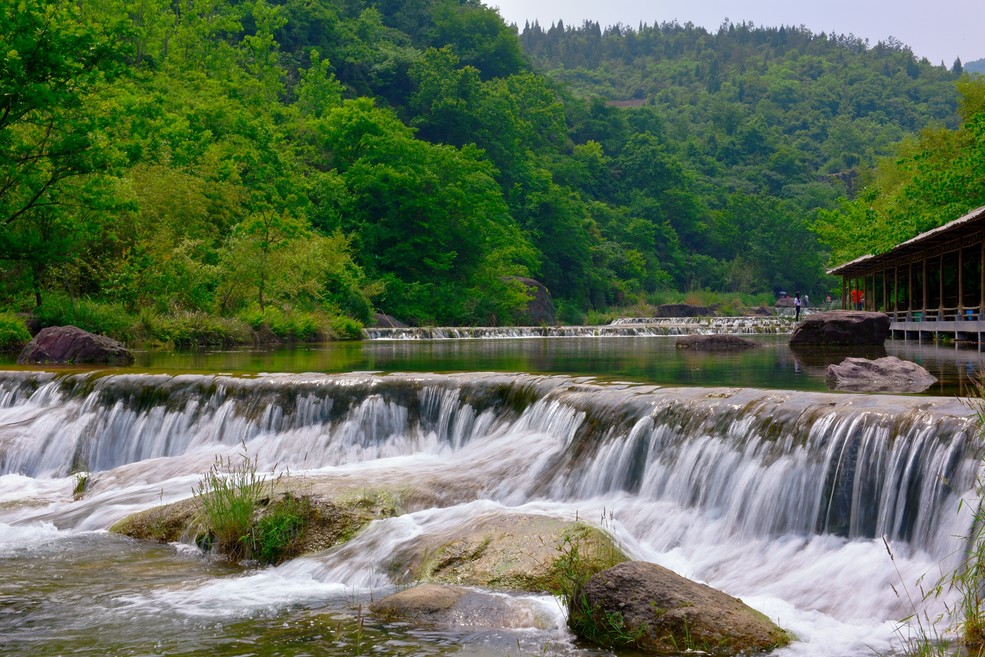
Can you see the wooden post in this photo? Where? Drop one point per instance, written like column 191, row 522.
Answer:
column 940, row 286
column 896, row 291
column 885, row 290
column 923, row 279
column 960, row 283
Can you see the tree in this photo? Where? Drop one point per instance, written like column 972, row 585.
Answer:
column 54, row 150
column 427, row 219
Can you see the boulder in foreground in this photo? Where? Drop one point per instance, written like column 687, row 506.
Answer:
column 889, row 374
column 69, row 345
column 646, row 606
column 840, row 327
column 720, row 342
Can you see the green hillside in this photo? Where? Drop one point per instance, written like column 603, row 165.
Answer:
column 186, row 173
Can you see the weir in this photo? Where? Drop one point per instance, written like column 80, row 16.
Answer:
column 763, row 463
column 622, row 327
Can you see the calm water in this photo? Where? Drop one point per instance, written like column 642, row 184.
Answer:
column 641, row 359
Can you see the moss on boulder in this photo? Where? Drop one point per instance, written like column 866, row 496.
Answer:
column 514, row 552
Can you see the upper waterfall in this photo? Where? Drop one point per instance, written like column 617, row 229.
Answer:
column 623, row 327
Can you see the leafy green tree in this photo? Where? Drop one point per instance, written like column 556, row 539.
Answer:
column 54, row 147
column 428, row 219
column 478, row 36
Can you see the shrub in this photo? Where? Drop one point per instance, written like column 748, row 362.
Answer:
column 346, row 328
column 286, row 325
column 103, row 318
column 277, row 531
column 191, row 329
column 13, row 331
column 230, row 495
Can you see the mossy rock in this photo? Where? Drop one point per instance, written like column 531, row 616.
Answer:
column 316, row 523
column 650, row 608
column 514, row 552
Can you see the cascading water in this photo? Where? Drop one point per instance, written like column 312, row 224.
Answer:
column 624, row 327
column 778, row 497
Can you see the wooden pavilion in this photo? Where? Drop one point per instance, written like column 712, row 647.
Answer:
column 929, row 285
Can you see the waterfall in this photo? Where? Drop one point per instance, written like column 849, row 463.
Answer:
column 767, row 463
column 623, row 327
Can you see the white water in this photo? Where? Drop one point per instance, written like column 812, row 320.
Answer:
column 622, row 327
column 779, row 498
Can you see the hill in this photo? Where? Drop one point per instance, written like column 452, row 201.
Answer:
column 977, row 66
column 292, row 166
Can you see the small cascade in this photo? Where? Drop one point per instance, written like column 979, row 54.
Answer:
column 623, row 327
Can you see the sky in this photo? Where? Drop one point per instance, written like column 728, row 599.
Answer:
column 939, row 31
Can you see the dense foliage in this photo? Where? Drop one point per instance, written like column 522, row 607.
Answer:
column 769, row 125
column 292, row 165
column 933, row 178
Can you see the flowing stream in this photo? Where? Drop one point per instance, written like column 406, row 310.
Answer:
column 781, row 498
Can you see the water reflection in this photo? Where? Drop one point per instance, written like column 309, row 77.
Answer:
column 653, row 360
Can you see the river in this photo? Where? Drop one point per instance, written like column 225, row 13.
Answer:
column 739, row 471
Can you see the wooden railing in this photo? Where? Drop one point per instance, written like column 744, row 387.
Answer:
column 937, row 315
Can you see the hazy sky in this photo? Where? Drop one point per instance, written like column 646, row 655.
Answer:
column 939, row 31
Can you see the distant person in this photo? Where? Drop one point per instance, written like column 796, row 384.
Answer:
column 796, row 306
column 857, row 299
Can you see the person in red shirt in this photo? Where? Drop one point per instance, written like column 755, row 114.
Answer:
column 857, row 299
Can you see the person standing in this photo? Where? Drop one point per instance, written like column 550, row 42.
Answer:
column 796, row 306
column 856, row 297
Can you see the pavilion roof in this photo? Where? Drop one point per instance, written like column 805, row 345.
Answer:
column 964, row 226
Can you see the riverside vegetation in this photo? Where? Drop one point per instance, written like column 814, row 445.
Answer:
column 963, row 621
column 241, row 171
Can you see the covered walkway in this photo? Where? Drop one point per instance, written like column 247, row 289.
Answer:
column 929, row 285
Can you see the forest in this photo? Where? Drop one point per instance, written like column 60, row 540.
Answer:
column 207, row 172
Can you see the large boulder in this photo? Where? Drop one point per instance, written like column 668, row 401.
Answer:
column 682, row 310
column 383, row 320
column 64, row 345
column 643, row 605
column 540, row 309
column 514, row 552
column 717, row 342
column 457, row 606
column 840, row 327
column 889, row 374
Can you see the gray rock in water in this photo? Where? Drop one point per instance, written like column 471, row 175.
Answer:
column 839, row 327
column 720, row 342
column 63, row 345
column 653, row 609
column 889, row 374
column 456, row 606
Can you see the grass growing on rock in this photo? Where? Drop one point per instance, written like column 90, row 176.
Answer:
column 582, row 554
column 238, row 514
